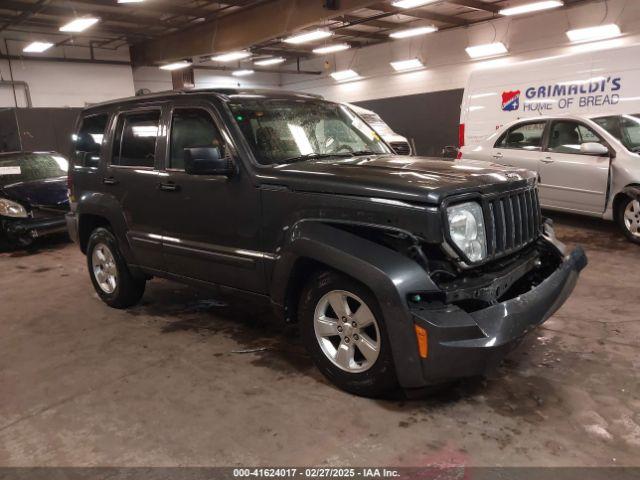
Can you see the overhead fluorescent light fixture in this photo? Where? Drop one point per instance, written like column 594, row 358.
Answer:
column 487, row 50
column 37, row 47
column 306, row 37
column 412, row 3
column 130, row 1
column 344, row 75
column 594, row 33
column 242, row 73
column 531, row 7
column 403, row 65
column 231, row 56
column 270, row 61
column 176, row 65
column 413, row 32
column 79, row 24
column 338, row 47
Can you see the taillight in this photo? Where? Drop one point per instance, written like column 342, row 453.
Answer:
column 461, row 135
column 70, row 185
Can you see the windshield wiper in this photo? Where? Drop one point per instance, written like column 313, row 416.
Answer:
column 364, row 152
column 313, row 156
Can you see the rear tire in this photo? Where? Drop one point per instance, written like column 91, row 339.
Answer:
column 109, row 273
column 351, row 346
column 627, row 216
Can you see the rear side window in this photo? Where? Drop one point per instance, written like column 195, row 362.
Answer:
column 523, row 137
column 135, row 139
column 566, row 137
column 87, row 143
column 192, row 127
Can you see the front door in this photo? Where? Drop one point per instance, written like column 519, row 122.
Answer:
column 569, row 179
column 211, row 222
column 131, row 177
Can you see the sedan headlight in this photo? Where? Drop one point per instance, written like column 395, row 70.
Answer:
column 466, row 229
column 11, row 209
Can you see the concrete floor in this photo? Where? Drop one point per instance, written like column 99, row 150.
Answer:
column 170, row 382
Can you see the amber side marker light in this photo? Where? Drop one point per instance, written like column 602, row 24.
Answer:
column 422, row 337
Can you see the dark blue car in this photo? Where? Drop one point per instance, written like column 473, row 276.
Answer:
column 33, row 195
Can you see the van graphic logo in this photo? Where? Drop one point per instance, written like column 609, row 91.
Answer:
column 510, row 101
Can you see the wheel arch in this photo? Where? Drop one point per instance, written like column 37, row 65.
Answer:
column 388, row 274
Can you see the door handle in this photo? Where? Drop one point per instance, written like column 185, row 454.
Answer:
column 169, row 187
column 110, row 181
column 547, row 160
column 497, row 155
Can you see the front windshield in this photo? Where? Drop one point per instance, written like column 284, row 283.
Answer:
column 27, row 167
column 288, row 130
column 625, row 128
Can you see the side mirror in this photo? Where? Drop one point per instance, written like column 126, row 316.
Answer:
column 206, row 161
column 593, row 148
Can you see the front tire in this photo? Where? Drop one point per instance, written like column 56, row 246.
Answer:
column 344, row 332
column 628, row 218
column 109, row 273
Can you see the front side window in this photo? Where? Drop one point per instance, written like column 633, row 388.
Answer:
column 567, row 137
column 286, row 130
column 192, row 127
column 135, row 139
column 523, row 137
column 87, row 143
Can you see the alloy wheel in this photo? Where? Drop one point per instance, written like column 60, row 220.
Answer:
column 347, row 331
column 104, row 266
column 632, row 218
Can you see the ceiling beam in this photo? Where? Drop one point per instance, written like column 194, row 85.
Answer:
column 241, row 29
column 68, row 13
column 419, row 13
column 353, row 20
column 157, row 6
column 477, row 5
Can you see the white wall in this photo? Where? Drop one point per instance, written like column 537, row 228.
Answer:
column 448, row 66
column 63, row 84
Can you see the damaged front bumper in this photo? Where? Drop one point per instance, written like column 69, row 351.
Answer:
column 20, row 230
column 465, row 343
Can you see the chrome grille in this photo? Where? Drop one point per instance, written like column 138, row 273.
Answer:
column 513, row 221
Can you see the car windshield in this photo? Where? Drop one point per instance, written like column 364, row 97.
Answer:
column 289, row 130
column 625, row 128
column 27, row 167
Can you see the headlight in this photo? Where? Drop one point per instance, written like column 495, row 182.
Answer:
column 11, row 209
column 466, row 228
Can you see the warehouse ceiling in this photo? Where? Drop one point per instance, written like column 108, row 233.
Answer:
column 161, row 31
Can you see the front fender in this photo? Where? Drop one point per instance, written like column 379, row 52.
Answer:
column 388, row 274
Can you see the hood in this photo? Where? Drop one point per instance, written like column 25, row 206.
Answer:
column 49, row 193
column 413, row 179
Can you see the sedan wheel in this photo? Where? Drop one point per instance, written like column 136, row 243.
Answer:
column 632, row 218
column 347, row 331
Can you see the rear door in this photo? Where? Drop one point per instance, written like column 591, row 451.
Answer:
column 211, row 222
column 132, row 178
column 569, row 179
column 520, row 146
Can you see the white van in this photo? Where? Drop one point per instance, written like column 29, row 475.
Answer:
column 601, row 82
column 398, row 143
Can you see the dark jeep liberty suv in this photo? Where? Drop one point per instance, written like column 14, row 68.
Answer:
column 401, row 271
